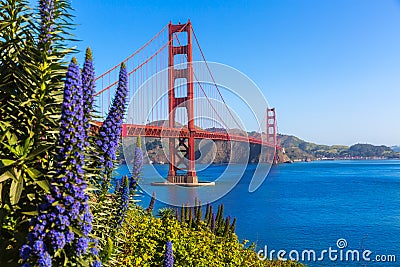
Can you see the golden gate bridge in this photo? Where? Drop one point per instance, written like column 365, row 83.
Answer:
column 170, row 98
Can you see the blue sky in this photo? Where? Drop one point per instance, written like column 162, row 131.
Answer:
column 331, row 68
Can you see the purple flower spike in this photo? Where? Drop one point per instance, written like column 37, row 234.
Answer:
column 112, row 127
column 137, row 164
column 168, row 256
column 50, row 231
column 88, row 87
column 46, row 12
column 124, row 200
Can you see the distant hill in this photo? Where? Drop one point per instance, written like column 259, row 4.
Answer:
column 210, row 152
column 294, row 149
column 298, row 149
column 395, row 148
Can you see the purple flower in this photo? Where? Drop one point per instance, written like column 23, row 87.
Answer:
column 25, row 252
column 88, row 86
column 94, row 251
column 137, row 164
column 38, row 247
column 96, row 264
column 111, row 128
column 44, row 260
column 124, row 200
column 168, row 256
column 69, row 236
column 50, row 230
column 82, row 245
column 57, row 239
column 46, row 12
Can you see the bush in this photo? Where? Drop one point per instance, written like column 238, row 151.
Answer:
column 145, row 237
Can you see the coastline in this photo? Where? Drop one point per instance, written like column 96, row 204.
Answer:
column 342, row 159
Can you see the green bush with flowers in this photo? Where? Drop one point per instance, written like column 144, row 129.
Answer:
column 145, row 237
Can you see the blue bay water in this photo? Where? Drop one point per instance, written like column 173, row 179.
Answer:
column 305, row 206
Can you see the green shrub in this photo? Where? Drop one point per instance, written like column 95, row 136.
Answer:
column 145, row 237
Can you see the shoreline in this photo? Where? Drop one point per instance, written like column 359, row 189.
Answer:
column 341, row 159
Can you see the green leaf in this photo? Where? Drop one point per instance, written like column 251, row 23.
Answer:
column 5, row 176
column 33, row 173
column 27, row 145
column 31, row 196
column 16, row 189
column 37, row 152
column 76, row 231
column 6, row 162
column 30, row 213
column 44, row 185
column 12, row 139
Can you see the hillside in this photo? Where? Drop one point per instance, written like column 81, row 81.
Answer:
column 395, row 148
column 300, row 150
column 293, row 149
column 207, row 151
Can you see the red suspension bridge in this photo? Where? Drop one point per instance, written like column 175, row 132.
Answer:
column 169, row 99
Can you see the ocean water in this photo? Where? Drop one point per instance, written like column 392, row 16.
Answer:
column 310, row 206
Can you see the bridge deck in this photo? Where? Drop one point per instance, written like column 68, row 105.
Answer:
column 131, row 130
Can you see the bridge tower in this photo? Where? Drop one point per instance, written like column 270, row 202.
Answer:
column 272, row 132
column 181, row 153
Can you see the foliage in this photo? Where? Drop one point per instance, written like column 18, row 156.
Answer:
column 32, row 52
column 145, row 237
column 367, row 150
column 103, row 224
column 166, row 213
column 64, row 221
column 296, row 148
column 109, row 216
column 193, row 217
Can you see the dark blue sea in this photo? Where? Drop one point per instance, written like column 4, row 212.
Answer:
column 342, row 206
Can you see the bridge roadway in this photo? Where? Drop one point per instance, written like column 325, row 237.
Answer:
column 131, row 130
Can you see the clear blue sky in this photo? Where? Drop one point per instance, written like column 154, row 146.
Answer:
column 330, row 67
